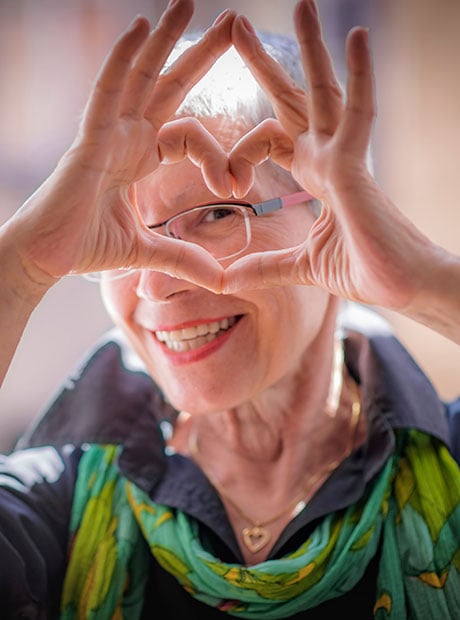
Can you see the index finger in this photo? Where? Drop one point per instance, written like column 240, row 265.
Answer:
column 174, row 84
column 154, row 54
column 104, row 100
column 123, row 73
column 289, row 100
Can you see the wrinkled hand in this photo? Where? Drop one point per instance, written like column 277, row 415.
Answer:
column 84, row 217
column 361, row 247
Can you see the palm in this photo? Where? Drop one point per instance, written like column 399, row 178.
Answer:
column 99, row 171
column 361, row 267
column 125, row 151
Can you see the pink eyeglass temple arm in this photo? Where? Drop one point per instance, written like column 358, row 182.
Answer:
column 296, row 198
column 283, row 201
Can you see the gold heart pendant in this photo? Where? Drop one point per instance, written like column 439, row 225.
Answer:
column 255, row 538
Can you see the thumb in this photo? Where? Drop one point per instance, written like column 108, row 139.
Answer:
column 266, row 270
column 179, row 259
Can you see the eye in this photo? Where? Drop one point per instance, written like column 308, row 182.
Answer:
column 218, row 213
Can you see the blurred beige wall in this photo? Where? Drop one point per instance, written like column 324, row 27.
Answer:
column 417, row 49
column 49, row 53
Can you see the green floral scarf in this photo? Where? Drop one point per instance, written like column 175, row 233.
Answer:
column 414, row 503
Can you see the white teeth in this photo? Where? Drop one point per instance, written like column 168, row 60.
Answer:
column 201, row 330
column 188, row 332
column 192, row 337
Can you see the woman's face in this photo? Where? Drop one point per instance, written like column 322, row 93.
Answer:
column 211, row 352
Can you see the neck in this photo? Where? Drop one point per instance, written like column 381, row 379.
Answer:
column 287, row 431
column 276, row 500
column 285, row 415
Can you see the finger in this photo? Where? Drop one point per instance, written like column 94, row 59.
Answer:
column 267, row 140
column 188, row 138
column 360, row 106
column 154, row 54
column 288, row 99
column 174, row 84
column 324, row 89
column 266, row 270
column 179, row 259
column 102, row 107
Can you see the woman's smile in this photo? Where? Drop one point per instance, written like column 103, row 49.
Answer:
column 194, row 336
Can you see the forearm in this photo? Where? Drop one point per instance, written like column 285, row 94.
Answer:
column 437, row 305
column 19, row 296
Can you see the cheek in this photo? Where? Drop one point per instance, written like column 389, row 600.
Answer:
column 281, row 230
column 119, row 298
column 303, row 310
column 287, row 321
column 304, row 316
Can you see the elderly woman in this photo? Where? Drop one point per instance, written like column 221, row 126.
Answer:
column 245, row 442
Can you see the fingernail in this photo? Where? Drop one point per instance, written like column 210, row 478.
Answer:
column 367, row 35
column 221, row 17
column 247, row 24
column 313, row 7
column 134, row 23
column 172, row 3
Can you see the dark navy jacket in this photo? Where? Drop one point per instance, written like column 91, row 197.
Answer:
column 110, row 399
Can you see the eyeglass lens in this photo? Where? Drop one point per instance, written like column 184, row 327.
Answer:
column 223, row 230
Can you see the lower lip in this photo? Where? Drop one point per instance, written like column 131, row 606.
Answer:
column 179, row 358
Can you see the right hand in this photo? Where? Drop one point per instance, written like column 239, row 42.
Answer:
column 84, row 217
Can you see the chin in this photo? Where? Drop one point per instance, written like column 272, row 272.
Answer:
column 201, row 401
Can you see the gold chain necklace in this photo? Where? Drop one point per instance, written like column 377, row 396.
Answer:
column 256, row 536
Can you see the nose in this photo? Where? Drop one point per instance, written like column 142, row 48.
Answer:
column 159, row 286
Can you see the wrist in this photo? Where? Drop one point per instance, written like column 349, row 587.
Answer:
column 21, row 284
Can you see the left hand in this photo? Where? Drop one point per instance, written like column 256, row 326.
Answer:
column 85, row 217
column 361, row 247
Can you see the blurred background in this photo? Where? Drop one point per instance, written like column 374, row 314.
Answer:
column 50, row 52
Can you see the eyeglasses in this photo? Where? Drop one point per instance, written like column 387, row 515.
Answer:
column 222, row 228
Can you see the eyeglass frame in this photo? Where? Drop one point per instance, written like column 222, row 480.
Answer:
column 257, row 208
